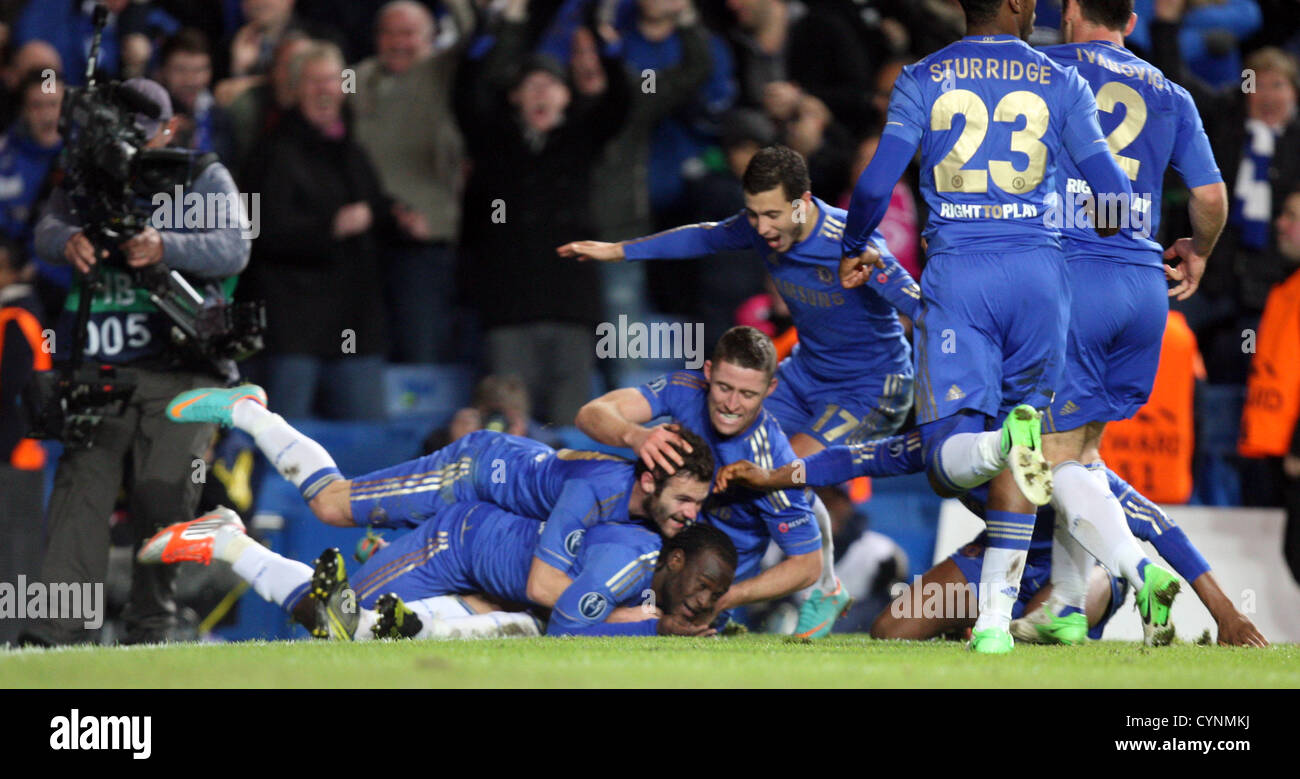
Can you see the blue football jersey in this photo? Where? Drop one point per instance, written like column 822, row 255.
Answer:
column 1150, row 123
column 843, row 334
column 615, row 567
column 751, row 519
column 992, row 116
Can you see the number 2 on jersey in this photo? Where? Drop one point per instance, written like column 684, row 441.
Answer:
column 1114, row 93
column 948, row 174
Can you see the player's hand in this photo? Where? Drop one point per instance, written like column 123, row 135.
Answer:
column 674, row 625
column 144, row 249
column 602, row 251
column 855, row 270
column 742, row 473
column 1291, row 466
column 1236, row 629
column 1187, row 272
column 654, row 446
column 80, row 252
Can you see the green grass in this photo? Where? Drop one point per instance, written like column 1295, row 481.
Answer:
column 744, row 661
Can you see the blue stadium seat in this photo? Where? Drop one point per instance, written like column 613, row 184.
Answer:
column 431, row 392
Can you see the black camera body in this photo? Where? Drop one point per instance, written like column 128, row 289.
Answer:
column 110, row 177
column 68, row 403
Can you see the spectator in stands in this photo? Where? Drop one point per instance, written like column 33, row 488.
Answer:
column 67, row 26
column 22, row 460
column 253, row 48
column 28, row 152
column 256, row 111
column 500, row 404
column 185, row 69
column 620, row 200
column 728, row 278
column 315, row 262
column 1254, row 130
column 534, row 139
column 1269, row 422
column 769, row 44
column 404, row 120
column 31, row 57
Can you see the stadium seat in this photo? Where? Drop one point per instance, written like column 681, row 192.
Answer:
column 431, row 392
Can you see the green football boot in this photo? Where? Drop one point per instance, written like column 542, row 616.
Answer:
column 212, row 404
column 1023, row 447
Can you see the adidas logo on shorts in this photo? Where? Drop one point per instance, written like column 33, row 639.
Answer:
column 954, row 393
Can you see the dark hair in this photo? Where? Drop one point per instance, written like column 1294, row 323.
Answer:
column 187, row 40
column 981, row 11
column 747, row 347
column 700, row 537
column 1111, row 14
column 774, row 166
column 697, row 463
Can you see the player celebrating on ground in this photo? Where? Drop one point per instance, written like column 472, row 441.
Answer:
column 724, row 403
column 1104, row 592
column 571, row 490
column 991, row 117
column 472, row 548
column 850, row 377
column 1113, row 350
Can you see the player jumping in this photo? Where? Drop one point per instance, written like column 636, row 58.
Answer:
column 850, row 377
column 991, row 118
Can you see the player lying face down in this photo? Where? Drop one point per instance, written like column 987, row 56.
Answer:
column 669, row 502
column 411, row 588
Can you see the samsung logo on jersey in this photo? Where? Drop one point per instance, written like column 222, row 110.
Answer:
column 573, row 542
column 592, row 605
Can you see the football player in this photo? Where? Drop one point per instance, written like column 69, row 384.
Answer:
column 474, row 548
column 849, row 378
column 993, row 120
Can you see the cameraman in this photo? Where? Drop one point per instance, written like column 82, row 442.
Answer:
column 140, row 448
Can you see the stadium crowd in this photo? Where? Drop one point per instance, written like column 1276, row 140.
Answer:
column 417, row 164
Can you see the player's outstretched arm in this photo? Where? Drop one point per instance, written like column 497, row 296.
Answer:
column 1235, row 628
column 792, row 574
column 1150, row 523
column 618, row 418
column 744, row 473
column 1208, row 209
column 602, row 251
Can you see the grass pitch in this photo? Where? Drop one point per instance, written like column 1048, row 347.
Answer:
column 739, row 662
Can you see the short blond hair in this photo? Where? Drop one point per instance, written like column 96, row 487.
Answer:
column 315, row 52
column 1271, row 58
